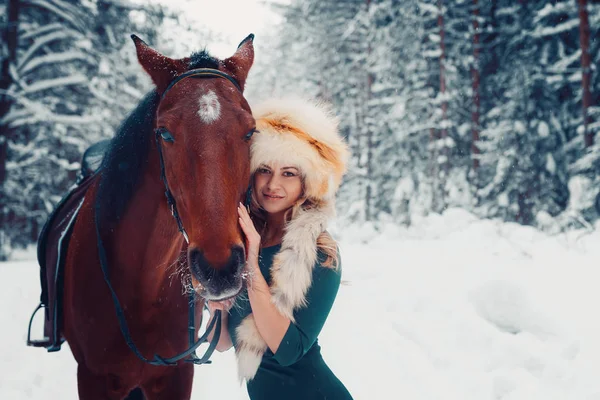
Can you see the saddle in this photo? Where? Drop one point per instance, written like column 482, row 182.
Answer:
column 52, row 248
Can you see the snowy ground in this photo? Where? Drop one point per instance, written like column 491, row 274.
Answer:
column 453, row 308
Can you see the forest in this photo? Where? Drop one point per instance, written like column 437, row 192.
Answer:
column 490, row 106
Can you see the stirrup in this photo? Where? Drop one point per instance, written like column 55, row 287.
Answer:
column 39, row 342
column 45, row 342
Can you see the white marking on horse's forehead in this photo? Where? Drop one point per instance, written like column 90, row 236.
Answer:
column 210, row 108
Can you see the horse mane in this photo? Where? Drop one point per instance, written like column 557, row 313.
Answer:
column 127, row 155
column 126, row 159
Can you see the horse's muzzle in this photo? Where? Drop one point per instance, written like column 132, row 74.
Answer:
column 219, row 281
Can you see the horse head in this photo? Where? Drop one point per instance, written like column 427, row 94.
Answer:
column 203, row 126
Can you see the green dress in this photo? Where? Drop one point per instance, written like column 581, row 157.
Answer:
column 297, row 370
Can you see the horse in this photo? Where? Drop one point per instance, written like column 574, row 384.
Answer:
column 188, row 139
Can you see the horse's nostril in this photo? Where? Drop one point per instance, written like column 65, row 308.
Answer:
column 198, row 265
column 238, row 258
column 218, row 279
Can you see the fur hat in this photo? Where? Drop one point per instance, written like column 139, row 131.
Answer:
column 304, row 134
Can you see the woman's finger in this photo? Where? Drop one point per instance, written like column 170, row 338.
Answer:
column 241, row 214
column 252, row 236
column 244, row 213
column 245, row 219
column 244, row 227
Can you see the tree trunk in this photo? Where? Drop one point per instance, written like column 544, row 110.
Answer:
column 369, row 172
column 434, row 134
column 443, row 130
column 475, row 83
column 441, row 145
column 10, row 38
column 586, row 73
column 369, row 169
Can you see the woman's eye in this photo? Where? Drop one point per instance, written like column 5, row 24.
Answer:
column 263, row 171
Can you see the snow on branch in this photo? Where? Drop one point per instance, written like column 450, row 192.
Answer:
column 45, row 84
column 15, row 114
column 554, row 30
column 44, row 40
column 14, row 76
column 132, row 91
column 587, row 162
column 33, row 112
column 563, row 63
column 21, row 149
column 30, row 34
column 552, row 9
column 427, row 8
column 55, row 58
column 41, row 155
column 62, row 10
column 63, row 163
column 508, row 11
column 127, row 5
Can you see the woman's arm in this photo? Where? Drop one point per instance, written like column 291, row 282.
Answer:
column 288, row 341
column 271, row 325
column 224, row 342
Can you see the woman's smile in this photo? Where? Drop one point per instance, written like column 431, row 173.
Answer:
column 272, row 196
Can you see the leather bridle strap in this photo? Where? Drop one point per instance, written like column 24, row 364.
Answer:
column 170, row 199
column 215, row 322
column 201, row 73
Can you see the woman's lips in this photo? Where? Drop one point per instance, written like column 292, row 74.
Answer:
column 272, row 197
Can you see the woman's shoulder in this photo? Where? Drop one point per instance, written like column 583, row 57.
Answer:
column 327, row 263
column 326, row 276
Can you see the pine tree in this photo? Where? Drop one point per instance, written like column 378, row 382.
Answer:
column 69, row 87
column 444, row 102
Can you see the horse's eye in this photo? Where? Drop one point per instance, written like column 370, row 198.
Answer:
column 249, row 134
column 166, row 135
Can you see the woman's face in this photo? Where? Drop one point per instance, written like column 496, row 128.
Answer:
column 277, row 187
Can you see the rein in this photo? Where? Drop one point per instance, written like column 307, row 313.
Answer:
column 188, row 355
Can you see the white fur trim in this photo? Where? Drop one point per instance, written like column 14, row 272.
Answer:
column 319, row 127
column 250, row 349
column 313, row 117
column 292, row 266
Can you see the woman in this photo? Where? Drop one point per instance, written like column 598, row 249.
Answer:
column 297, row 163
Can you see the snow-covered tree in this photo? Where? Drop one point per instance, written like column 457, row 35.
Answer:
column 71, row 81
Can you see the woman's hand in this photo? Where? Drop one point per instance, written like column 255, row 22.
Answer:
column 224, row 306
column 252, row 237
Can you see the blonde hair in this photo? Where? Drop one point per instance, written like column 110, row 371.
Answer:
column 325, row 243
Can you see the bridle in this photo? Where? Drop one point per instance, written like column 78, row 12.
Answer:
column 164, row 134
column 188, row 355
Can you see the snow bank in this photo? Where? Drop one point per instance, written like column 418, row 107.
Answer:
column 451, row 308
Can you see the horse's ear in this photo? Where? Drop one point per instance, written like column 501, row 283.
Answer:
column 161, row 69
column 239, row 64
